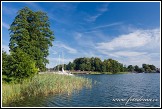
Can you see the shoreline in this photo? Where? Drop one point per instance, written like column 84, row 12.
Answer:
column 41, row 85
column 108, row 73
column 93, row 72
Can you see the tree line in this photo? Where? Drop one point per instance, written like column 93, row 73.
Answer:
column 108, row 65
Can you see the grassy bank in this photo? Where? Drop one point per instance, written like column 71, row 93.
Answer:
column 42, row 85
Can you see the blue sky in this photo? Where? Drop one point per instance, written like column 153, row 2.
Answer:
column 125, row 31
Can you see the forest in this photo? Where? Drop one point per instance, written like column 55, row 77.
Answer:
column 108, row 65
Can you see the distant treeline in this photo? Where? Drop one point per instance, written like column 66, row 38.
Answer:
column 108, row 65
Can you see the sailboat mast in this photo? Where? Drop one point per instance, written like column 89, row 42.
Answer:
column 59, row 62
column 63, row 60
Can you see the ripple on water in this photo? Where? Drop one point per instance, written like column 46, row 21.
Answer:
column 109, row 87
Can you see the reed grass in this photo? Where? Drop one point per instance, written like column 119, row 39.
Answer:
column 42, row 85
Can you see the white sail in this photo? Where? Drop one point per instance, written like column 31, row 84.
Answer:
column 63, row 70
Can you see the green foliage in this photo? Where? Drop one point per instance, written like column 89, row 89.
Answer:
column 149, row 68
column 152, row 67
column 103, row 66
column 6, row 59
column 30, row 32
column 23, row 65
column 130, row 68
column 18, row 66
column 136, row 68
column 145, row 68
column 108, row 66
column 95, row 64
column 30, row 39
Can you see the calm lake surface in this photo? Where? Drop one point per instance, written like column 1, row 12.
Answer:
column 119, row 90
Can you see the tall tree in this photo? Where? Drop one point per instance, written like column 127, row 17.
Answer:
column 103, row 66
column 97, row 64
column 30, row 32
column 92, row 61
column 130, row 68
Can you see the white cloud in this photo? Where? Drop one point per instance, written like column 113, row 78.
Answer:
column 108, row 25
column 100, row 28
column 100, row 10
column 137, row 47
column 135, row 39
column 84, row 40
column 5, row 25
column 93, row 18
column 103, row 8
column 139, row 60
column 68, row 48
column 71, row 50
column 129, row 53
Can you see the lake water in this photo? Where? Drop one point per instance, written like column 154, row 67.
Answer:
column 119, row 90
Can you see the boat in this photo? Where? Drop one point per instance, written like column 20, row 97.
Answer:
column 63, row 72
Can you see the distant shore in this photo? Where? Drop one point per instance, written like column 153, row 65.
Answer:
column 109, row 73
column 93, row 72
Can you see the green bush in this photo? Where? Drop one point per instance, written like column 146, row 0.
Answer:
column 18, row 66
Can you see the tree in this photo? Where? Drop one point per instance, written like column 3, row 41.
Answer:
column 115, row 66
column 103, row 66
column 77, row 63
column 82, row 66
column 121, row 67
column 88, row 66
column 149, row 68
column 92, row 64
column 23, row 66
column 140, row 70
column 17, row 66
column 130, row 68
column 136, row 68
column 145, row 67
column 4, row 61
column 5, row 66
column 97, row 64
column 70, row 66
column 125, row 68
column 30, row 32
column 152, row 67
